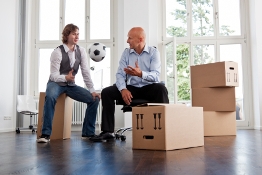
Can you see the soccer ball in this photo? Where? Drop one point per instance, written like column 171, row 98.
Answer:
column 97, row 52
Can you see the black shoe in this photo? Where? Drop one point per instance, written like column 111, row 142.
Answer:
column 43, row 139
column 86, row 137
column 103, row 136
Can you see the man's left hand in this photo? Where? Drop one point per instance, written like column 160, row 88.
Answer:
column 134, row 71
column 94, row 94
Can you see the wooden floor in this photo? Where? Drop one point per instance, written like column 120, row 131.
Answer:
column 20, row 154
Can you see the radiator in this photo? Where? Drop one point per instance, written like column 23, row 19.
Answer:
column 78, row 114
column 79, row 110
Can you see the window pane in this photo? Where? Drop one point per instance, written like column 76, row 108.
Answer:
column 99, row 19
column 176, row 18
column 169, row 71
column 203, row 54
column 49, row 20
column 183, row 74
column 229, row 18
column 233, row 52
column 44, row 68
column 100, row 71
column 75, row 13
column 202, row 18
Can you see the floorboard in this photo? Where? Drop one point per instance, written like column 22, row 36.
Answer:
column 20, row 154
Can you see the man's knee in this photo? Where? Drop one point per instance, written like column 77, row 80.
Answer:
column 160, row 87
column 97, row 100
column 108, row 90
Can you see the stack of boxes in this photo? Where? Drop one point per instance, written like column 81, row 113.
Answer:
column 213, row 88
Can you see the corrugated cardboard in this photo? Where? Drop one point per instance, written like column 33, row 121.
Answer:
column 218, row 74
column 62, row 120
column 219, row 123
column 214, row 99
column 167, row 127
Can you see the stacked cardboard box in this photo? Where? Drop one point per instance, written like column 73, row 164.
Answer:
column 213, row 88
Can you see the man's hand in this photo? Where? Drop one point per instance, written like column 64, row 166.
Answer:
column 70, row 77
column 134, row 71
column 94, row 94
column 127, row 96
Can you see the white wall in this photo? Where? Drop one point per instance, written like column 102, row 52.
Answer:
column 256, row 55
column 8, row 52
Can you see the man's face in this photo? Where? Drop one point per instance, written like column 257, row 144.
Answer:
column 132, row 40
column 73, row 37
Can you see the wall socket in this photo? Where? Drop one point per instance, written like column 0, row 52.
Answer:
column 7, row 117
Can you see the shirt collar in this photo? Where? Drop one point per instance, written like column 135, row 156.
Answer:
column 67, row 49
column 146, row 49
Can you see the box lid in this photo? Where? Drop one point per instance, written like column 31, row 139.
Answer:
column 159, row 104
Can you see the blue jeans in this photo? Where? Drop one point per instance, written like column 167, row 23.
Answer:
column 53, row 90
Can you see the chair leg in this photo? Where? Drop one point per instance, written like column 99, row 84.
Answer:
column 31, row 126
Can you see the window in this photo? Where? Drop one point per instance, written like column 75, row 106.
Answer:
column 94, row 26
column 205, row 32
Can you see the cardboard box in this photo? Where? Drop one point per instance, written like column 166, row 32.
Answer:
column 167, row 127
column 214, row 99
column 219, row 74
column 219, row 123
column 62, row 120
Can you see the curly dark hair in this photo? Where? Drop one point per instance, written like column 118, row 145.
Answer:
column 67, row 30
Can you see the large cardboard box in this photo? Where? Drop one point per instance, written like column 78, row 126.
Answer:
column 62, row 120
column 219, row 74
column 167, row 127
column 214, row 99
column 219, row 123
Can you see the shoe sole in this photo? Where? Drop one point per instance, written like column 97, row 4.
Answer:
column 43, row 140
column 103, row 140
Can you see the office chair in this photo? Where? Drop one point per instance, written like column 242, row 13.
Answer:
column 26, row 105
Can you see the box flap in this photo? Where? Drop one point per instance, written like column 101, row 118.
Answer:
column 159, row 104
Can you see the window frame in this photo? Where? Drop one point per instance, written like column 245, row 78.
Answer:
column 218, row 40
column 62, row 24
column 52, row 44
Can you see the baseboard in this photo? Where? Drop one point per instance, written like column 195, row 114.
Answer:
column 258, row 127
column 7, row 130
column 79, row 128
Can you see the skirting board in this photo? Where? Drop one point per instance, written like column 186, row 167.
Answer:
column 258, row 127
column 7, row 130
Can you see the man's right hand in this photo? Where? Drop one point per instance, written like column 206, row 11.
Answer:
column 69, row 77
column 127, row 96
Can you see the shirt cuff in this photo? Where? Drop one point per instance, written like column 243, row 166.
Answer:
column 144, row 75
column 121, row 88
column 91, row 90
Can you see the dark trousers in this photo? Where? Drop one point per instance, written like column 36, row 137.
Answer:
column 155, row 93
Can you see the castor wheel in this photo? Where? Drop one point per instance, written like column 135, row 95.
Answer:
column 117, row 136
column 33, row 130
column 17, row 131
column 123, row 138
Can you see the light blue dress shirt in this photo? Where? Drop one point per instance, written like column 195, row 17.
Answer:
column 148, row 62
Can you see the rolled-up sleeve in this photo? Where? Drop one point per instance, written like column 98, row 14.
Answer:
column 55, row 61
column 86, row 70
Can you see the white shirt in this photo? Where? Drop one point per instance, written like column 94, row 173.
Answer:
column 56, row 58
